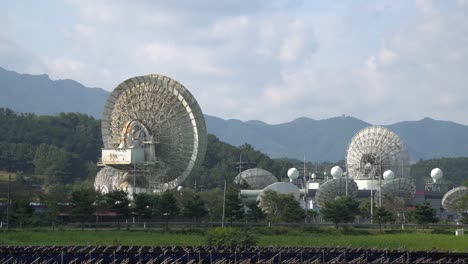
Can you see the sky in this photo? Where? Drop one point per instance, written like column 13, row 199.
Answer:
column 275, row 61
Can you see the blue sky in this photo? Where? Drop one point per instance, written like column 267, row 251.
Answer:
column 381, row 61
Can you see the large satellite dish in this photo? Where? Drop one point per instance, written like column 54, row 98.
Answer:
column 334, row 188
column 153, row 130
column 450, row 199
column 374, row 150
column 256, row 178
column 398, row 188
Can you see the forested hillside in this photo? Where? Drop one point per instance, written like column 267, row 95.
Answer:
column 64, row 149
column 222, row 162
column 319, row 140
column 455, row 169
column 56, row 149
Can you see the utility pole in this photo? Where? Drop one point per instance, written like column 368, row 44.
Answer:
column 380, row 182
column 305, row 185
column 224, row 202
column 372, row 200
column 8, row 202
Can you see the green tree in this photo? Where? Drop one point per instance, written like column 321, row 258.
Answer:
column 382, row 216
column 254, row 213
column 341, row 210
column 117, row 201
column 213, row 200
column 53, row 164
column 424, row 214
column 465, row 183
column 23, row 211
column 292, row 211
column 51, row 197
column 194, row 208
column 168, row 205
column 311, row 215
column 365, row 209
column 234, row 210
column 281, row 207
column 271, row 205
column 143, row 205
column 82, row 204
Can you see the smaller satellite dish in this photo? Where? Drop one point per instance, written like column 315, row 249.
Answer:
column 336, row 172
column 293, row 174
column 314, row 176
column 437, row 174
column 388, row 175
column 180, row 188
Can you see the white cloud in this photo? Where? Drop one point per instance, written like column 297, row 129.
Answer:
column 271, row 60
column 188, row 59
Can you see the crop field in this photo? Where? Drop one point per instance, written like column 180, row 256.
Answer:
column 402, row 241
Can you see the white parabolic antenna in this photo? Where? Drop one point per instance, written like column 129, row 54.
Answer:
column 397, row 188
column 450, row 199
column 153, row 129
column 374, row 150
column 334, row 188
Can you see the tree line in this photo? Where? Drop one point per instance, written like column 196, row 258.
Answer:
column 64, row 149
column 84, row 205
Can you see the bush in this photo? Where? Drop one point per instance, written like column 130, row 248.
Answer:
column 230, row 237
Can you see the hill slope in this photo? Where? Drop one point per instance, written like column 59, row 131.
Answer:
column 318, row 140
column 41, row 95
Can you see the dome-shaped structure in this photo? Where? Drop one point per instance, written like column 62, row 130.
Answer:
column 332, row 189
column 437, row 174
column 388, row 175
column 450, row 199
column 256, row 178
column 374, row 150
column 336, row 172
column 283, row 188
column 152, row 128
column 293, row 173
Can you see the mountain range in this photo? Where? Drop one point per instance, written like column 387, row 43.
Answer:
column 316, row 140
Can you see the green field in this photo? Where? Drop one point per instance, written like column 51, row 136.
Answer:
column 408, row 241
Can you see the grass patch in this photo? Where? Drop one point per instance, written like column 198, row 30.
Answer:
column 100, row 237
column 414, row 242
column 295, row 238
column 4, row 176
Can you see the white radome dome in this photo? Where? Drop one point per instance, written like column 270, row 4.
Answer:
column 314, row 176
column 437, row 174
column 293, row 173
column 180, row 188
column 336, row 172
column 388, row 175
